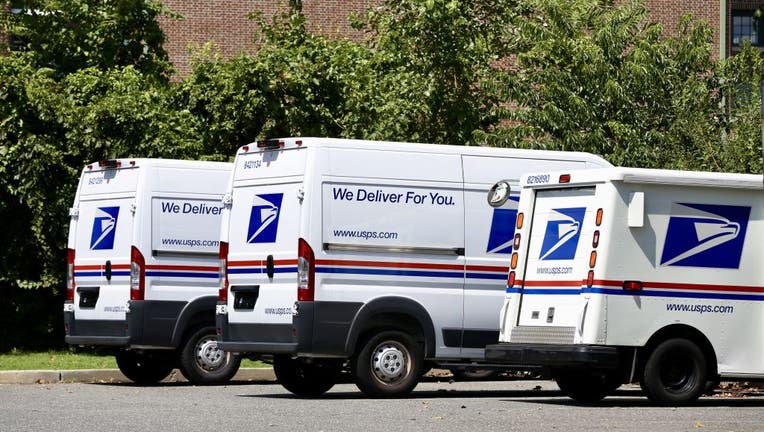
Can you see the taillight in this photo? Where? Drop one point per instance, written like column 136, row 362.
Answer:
column 223, row 272
column 70, row 275
column 137, row 275
column 306, row 271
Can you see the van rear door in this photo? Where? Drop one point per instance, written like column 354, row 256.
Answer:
column 103, row 235
column 558, row 257
column 262, row 237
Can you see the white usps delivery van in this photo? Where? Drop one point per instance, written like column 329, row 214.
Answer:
column 376, row 256
column 143, row 267
column 634, row 275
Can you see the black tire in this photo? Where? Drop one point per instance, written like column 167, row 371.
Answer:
column 587, row 386
column 473, row 374
column 202, row 362
column 388, row 365
column 144, row 368
column 306, row 379
column 675, row 372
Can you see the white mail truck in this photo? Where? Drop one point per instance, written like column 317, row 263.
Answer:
column 378, row 257
column 142, row 265
column 633, row 275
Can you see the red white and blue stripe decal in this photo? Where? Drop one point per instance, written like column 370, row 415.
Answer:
column 411, row 269
column 649, row 289
column 181, row 271
column 259, row 266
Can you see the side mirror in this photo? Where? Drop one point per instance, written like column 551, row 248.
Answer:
column 499, row 194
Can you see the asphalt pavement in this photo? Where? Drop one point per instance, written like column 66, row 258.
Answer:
column 112, row 376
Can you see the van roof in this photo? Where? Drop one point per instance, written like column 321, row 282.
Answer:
column 644, row 175
column 152, row 162
column 297, row 142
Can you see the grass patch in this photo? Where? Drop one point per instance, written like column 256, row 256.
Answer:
column 70, row 360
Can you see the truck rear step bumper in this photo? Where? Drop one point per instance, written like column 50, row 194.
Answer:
column 572, row 356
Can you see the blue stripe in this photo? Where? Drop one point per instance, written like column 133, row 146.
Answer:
column 501, row 276
column 258, row 270
column 648, row 293
column 385, row 272
column 99, row 274
column 181, row 274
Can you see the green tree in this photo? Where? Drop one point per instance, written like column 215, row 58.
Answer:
column 595, row 76
column 68, row 35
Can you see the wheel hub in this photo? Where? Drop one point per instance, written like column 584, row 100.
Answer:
column 208, row 355
column 389, row 362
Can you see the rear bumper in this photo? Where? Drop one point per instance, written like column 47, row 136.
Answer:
column 254, row 338
column 560, row 356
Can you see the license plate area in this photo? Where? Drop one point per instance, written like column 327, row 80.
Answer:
column 245, row 296
column 88, row 296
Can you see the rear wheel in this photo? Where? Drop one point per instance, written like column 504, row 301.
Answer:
column 587, row 386
column 203, row 362
column 145, row 367
column 388, row 364
column 675, row 373
column 306, row 379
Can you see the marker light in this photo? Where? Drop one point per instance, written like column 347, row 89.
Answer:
column 516, row 243
column 590, row 279
column 596, row 239
column 513, row 263
column 592, row 259
column 632, row 285
column 223, row 272
column 520, row 220
column 564, row 178
column 598, row 220
column 70, row 275
column 511, row 279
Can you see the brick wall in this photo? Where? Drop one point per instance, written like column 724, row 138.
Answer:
column 225, row 24
column 668, row 13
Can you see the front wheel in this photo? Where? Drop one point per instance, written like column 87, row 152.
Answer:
column 306, row 379
column 203, row 362
column 587, row 386
column 144, row 368
column 388, row 364
column 675, row 372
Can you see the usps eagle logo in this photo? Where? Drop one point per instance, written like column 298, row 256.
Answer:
column 563, row 229
column 104, row 228
column 705, row 235
column 503, row 228
column 264, row 218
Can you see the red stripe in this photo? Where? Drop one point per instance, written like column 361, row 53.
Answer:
column 487, row 268
column 102, row 267
column 258, row 263
column 390, row 264
column 181, row 267
column 656, row 285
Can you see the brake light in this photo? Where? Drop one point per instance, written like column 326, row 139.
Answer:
column 137, row 274
column 110, row 163
column 223, row 272
column 70, row 275
column 306, row 271
column 270, row 144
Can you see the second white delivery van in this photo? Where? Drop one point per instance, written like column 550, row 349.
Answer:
column 380, row 258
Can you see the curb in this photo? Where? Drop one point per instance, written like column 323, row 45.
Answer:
column 113, row 376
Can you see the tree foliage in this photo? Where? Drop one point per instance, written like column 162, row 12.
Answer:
column 598, row 77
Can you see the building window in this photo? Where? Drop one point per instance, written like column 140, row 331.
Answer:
column 745, row 27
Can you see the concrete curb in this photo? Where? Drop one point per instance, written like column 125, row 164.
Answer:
column 113, row 376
